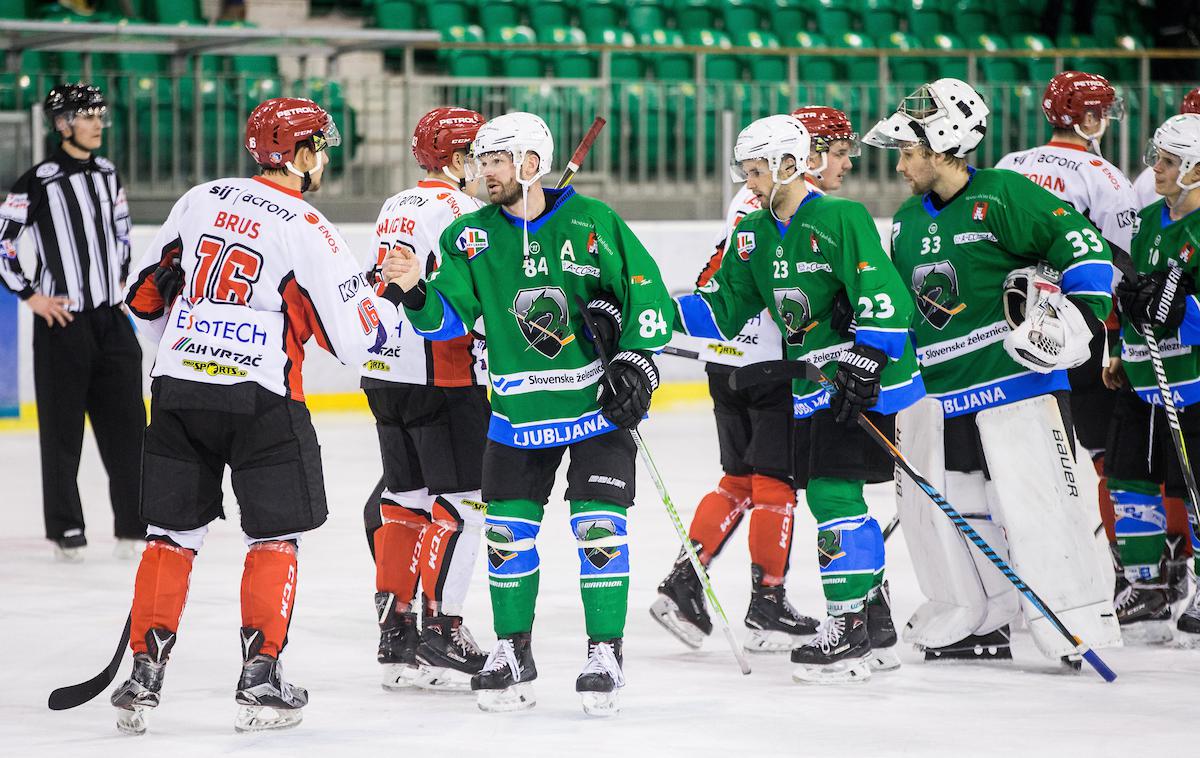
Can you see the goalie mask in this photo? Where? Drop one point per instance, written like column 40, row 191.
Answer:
column 947, row 115
column 1047, row 331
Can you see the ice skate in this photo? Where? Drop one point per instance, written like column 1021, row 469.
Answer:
column 267, row 701
column 993, row 646
column 1173, row 568
column 142, row 690
column 774, row 625
column 448, row 655
column 505, row 683
column 1144, row 614
column 602, row 678
column 840, row 652
column 881, row 630
column 398, row 639
column 680, row 605
column 1188, row 624
column 70, row 547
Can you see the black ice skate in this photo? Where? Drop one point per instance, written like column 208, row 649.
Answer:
column 398, row 638
column 993, row 646
column 267, row 701
column 1174, row 567
column 505, row 683
column 448, row 655
column 142, row 689
column 881, row 630
column 680, row 605
column 774, row 625
column 840, row 652
column 601, row 678
column 1144, row 613
column 1189, row 622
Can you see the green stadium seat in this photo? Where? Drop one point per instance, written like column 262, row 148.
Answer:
column 645, row 15
column 445, row 14
column 905, row 69
column 515, row 62
column 668, row 66
column 696, row 14
column 571, row 62
column 857, row 68
column 1094, row 65
column 834, row 16
column 1040, row 69
column 786, row 15
column 396, row 14
column 953, row 67
column 763, row 69
column 175, row 11
column 926, row 17
column 1126, row 69
column 475, row 63
column 813, row 68
column 717, row 66
column 544, row 14
column 29, row 83
column 991, row 69
column 498, row 14
column 14, row 9
column 742, row 15
column 972, row 17
column 599, row 14
column 881, row 17
column 623, row 65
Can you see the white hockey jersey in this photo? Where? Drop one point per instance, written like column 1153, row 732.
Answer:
column 263, row 272
column 1092, row 185
column 760, row 339
column 414, row 219
column 1143, row 187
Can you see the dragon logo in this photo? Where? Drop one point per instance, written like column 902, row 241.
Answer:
column 936, row 287
column 796, row 314
column 829, row 546
column 496, row 556
column 543, row 318
column 595, row 529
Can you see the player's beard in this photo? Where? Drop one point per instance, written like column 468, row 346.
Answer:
column 507, row 195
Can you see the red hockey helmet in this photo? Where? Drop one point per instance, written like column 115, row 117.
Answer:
column 1072, row 94
column 278, row 126
column 1191, row 102
column 440, row 132
column 827, row 125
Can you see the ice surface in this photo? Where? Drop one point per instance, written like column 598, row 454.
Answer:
column 60, row 625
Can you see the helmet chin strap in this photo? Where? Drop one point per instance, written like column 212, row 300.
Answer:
column 459, row 181
column 1093, row 140
column 306, row 176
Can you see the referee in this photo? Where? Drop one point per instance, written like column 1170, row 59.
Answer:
column 86, row 359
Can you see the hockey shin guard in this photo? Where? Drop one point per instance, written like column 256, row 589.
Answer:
column 1141, row 526
column 774, row 503
column 718, row 515
column 849, row 543
column 269, row 591
column 160, row 590
column 449, row 547
column 603, row 539
column 1178, row 517
column 510, row 532
column 397, row 543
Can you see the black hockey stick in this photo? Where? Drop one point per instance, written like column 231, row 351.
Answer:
column 680, row 532
column 813, row 373
column 77, row 694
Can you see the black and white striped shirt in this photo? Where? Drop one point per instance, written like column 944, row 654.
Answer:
column 79, row 222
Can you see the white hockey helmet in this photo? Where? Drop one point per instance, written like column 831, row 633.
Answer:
column 947, row 115
column 772, row 139
column 517, row 134
column 1180, row 137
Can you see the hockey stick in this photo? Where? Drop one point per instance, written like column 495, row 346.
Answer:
column 813, row 373
column 680, row 532
column 585, row 145
column 78, row 694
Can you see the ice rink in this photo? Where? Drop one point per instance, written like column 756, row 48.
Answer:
column 61, row 623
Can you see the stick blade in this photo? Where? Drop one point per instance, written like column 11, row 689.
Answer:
column 76, row 695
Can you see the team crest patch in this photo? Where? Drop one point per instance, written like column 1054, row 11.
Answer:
column 542, row 316
column 472, row 241
column 1186, row 253
column 595, row 529
column 979, row 212
column 1059, row 212
column 744, row 244
column 795, row 313
column 829, row 546
column 936, row 288
column 47, row 170
column 8, row 250
column 497, row 533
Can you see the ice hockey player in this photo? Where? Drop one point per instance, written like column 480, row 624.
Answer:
column 1079, row 106
column 797, row 257
column 240, row 276
column 1142, row 457
column 1144, row 184
column 522, row 263
column 976, row 246
column 431, row 414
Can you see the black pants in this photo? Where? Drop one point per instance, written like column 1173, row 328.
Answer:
column 91, row 366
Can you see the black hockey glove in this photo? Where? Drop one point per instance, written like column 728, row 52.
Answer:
column 606, row 314
column 168, row 278
column 842, row 317
column 1156, row 300
column 857, row 381
column 635, row 377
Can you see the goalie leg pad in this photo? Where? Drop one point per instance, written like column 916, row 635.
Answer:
column 1044, row 503
column 961, row 600
column 449, row 546
column 510, row 533
column 601, row 532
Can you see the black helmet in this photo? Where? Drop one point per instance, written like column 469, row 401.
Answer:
column 69, row 100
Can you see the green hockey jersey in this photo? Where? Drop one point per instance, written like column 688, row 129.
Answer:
column 544, row 371
column 796, row 271
column 955, row 260
column 1158, row 244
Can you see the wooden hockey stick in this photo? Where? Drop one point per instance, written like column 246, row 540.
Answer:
column 585, row 145
column 78, row 694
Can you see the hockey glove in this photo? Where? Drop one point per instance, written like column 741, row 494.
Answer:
column 606, row 315
column 842, row 317
column 857, row 381
column 168, row 277
column 635, row 378
column 1167, row 298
